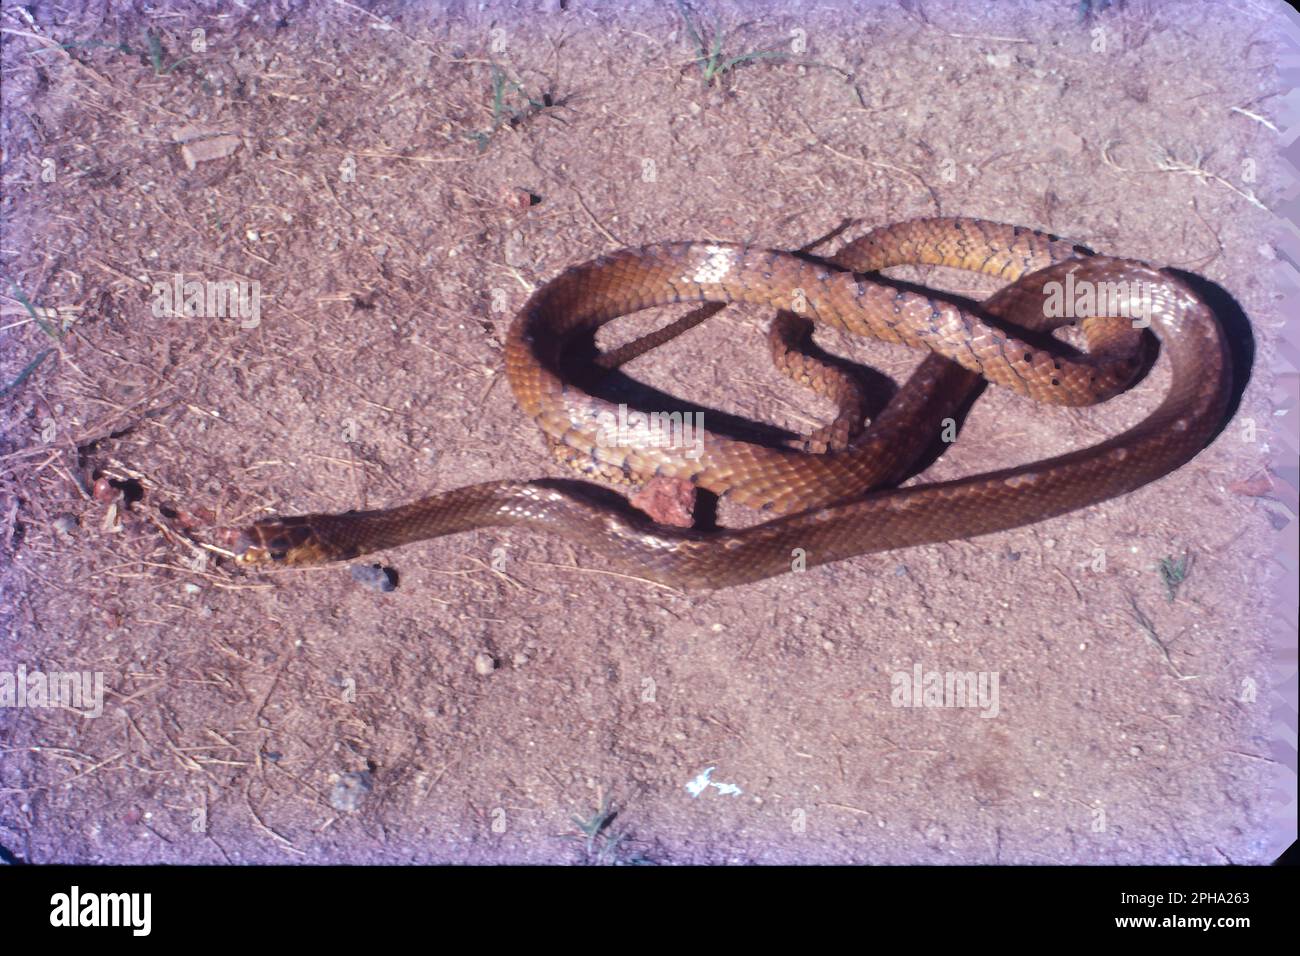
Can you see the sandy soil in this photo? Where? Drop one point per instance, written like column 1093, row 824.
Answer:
column 395, row 216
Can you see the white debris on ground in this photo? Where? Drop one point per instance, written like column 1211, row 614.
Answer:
column 702, row 783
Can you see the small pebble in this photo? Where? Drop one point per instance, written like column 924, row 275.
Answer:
column 349, row 790
column 202, row 151
column 104, row 490
column 375, row 576
column 65, row 524
column 485, row 664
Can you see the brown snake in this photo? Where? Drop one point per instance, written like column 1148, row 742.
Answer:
column 825, row 506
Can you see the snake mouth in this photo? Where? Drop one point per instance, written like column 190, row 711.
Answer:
column 283, row 541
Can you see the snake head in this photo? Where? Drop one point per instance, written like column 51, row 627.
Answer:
column 284, row 541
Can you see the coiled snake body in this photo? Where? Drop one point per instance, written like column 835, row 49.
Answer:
column 824, row 504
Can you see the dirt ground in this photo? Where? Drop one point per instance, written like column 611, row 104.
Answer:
column 397, row 178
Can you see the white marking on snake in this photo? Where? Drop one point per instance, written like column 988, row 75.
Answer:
column 657, row 542
column 715, row 268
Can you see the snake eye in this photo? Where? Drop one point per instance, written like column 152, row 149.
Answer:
column 277, row 554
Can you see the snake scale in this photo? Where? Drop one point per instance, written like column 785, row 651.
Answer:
column 836, row 505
